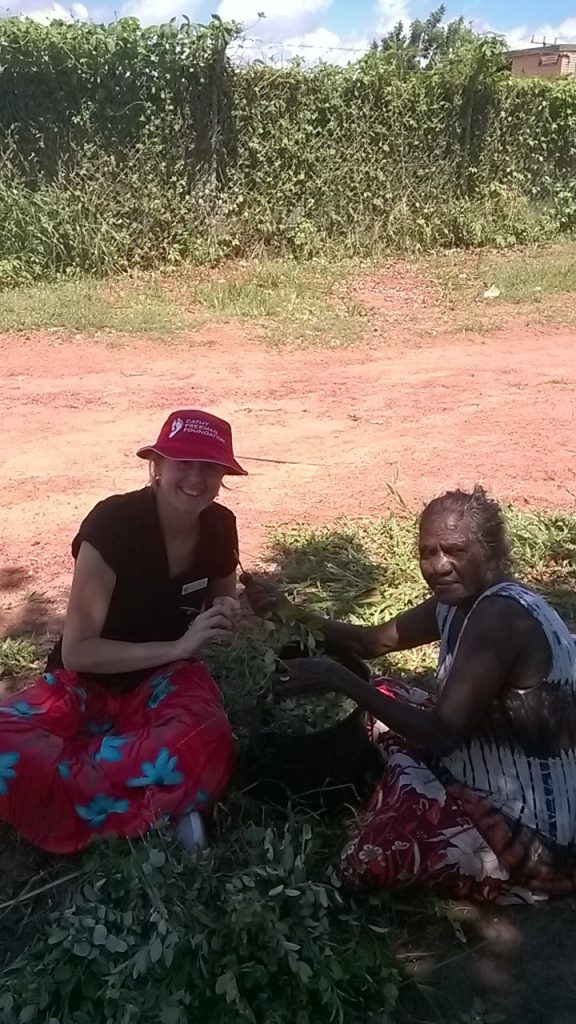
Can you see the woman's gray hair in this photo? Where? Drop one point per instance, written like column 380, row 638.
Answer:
column 484, row 516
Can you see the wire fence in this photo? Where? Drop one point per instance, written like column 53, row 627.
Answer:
column 310, row 50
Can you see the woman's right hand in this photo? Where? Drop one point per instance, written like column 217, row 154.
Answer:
column 214, row 624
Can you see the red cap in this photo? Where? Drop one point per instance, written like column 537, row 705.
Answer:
column 190, row 434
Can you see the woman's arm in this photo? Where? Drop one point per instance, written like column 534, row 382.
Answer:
column 85, row 650
column 497, row 636
column 492, row 642
column 424, row 726
column 413, row 628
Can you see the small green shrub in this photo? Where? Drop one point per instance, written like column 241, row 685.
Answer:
column 19, row 655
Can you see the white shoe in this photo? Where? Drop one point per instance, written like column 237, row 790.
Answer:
column 191, row 832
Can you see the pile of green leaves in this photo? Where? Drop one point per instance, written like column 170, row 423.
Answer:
column 301, row 717
column 254, row 654
column 243, row 667
column 254, row 931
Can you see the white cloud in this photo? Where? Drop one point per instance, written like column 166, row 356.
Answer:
column 57, row 12
column 520, row 37
column 157, row 12
column 284, row 19
column 390, row 12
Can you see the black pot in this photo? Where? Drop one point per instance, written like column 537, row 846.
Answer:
column 325, row 770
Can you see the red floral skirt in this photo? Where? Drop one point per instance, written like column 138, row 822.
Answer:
column 423, row 828
column 78, row 762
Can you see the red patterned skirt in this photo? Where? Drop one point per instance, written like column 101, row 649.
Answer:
column 78, row 762
column 423, row 828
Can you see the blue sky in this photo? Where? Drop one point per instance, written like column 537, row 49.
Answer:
column 328, row 29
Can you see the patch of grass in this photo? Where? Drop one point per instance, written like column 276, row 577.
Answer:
column 19, row 656
column 124, row 305
column 538, row 283
column 531, row 276
column 295, row 303
column 302, row 303
column 257, row 930
column 478, row 325
column 544, row 551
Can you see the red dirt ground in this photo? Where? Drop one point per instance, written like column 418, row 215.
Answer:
column 332, row 429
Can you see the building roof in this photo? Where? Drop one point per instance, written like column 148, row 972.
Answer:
column 549, row 48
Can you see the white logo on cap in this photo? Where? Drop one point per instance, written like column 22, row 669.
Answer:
column 204, row 429
column 177, row 425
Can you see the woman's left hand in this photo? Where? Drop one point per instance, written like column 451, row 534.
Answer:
column 309, row 677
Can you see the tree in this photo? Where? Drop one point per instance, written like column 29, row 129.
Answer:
column 424, row 42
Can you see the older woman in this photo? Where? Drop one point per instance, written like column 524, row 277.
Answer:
column 478, row 794
column 127, row 726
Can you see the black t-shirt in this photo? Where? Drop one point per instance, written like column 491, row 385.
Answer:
column 146, row 604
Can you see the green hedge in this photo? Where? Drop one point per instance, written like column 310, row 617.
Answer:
column 124, row 147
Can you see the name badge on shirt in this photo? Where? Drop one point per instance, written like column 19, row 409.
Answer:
column 191, row 588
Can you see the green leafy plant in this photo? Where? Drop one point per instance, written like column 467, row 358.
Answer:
column 18, row 655
column 253, row 932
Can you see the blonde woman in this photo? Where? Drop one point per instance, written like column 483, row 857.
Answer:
column 127, row 726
